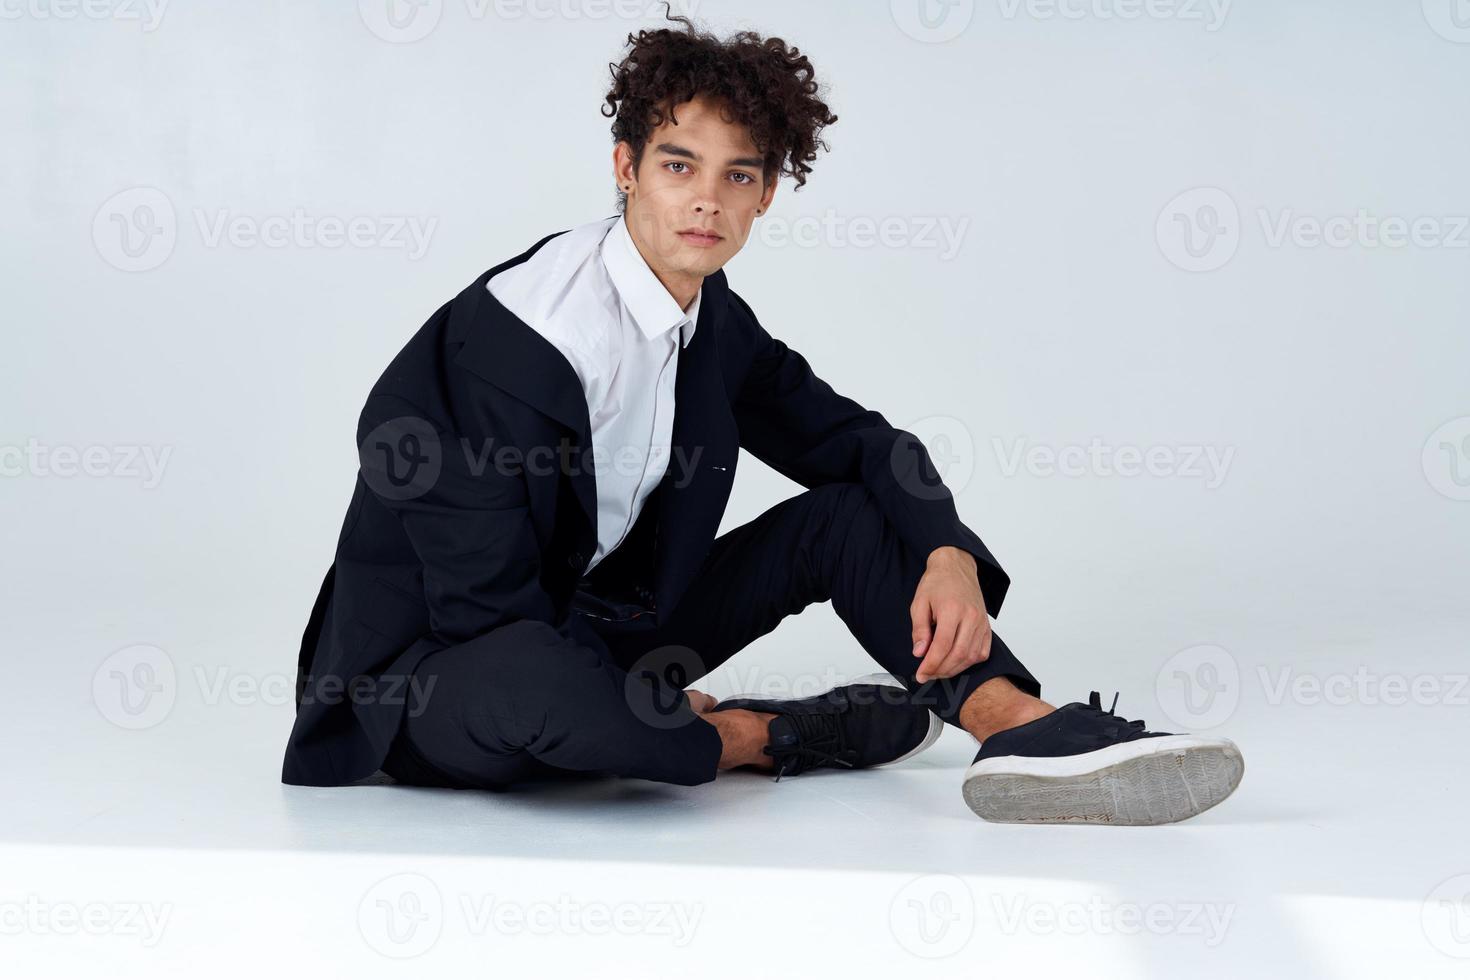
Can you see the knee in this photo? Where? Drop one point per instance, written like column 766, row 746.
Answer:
column 518, row 658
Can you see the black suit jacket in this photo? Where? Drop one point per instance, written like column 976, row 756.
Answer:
column 475, row 502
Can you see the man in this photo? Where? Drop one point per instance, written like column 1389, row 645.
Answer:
column 528, row 575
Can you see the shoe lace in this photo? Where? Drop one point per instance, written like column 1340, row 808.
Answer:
column 819, row 741
column 1094, row 701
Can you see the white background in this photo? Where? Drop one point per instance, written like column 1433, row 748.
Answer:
column 1071, row 149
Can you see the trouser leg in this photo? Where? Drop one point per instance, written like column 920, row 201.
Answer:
column 830, row 543
column 525, row 700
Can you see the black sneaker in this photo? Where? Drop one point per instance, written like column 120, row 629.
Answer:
column 1081, row 764
column 855, row 726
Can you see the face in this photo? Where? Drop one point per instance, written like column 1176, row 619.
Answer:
column 702, row 174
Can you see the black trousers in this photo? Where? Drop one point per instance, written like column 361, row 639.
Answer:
column 526, row 702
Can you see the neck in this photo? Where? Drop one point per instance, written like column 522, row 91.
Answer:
column 682, row 286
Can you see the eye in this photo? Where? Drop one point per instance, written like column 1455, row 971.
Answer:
column 747, row 177
column 676, row 163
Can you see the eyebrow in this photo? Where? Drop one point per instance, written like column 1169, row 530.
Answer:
column 675, row 150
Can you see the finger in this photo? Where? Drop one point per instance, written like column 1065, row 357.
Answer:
column 962, row 654
column 985, row 640
column 944, row 630
column 922, row 630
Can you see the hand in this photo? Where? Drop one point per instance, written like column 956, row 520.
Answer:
column 951, row 628
column 701, row 702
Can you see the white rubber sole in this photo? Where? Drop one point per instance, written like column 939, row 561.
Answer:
column 1147, row 781
column 936, row 726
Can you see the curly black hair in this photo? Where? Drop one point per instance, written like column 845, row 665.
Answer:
column 764, row 83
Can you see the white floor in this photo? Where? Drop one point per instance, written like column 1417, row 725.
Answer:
column 174, row 850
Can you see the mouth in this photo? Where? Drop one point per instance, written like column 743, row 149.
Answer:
column 700, row 237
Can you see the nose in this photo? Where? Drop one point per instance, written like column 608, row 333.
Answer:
column 707, row 198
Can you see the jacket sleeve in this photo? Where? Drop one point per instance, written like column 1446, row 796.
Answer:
column 466, row 514
column 794, row 422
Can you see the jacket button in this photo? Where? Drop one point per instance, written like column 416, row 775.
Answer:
column 576, row 560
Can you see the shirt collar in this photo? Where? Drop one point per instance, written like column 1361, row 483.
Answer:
column 654, row 310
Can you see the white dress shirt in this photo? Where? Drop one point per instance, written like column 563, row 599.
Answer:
column 591, row 294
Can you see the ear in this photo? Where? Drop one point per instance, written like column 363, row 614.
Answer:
column 767, row 196
column 624, row 173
